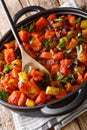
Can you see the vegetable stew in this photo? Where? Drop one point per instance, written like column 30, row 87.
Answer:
column 57, row 42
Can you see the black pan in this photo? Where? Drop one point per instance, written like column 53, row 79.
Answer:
column 60, row 106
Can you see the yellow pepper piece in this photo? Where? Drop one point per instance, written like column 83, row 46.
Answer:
column 83, row 24
column 23, row 77
column 29, row 103
column 52, row 90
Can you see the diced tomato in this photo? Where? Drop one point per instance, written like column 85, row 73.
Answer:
column 57, row 24
column 41, row 38
column 9, row 84
column 11, row 87
column 49, row 34
column 55, row 83
column 36, row 45
column 51, row 17
column 14, row 97
column 85, row 76
column 15, row 71
column 1, row 87
column 46, row 55
column 4, row 81
column 70, row 88
column 22, row 100
column 66, row 62
column 54, row 69
column 35, row 35
column 37, row 75
column 58, row 56
column 41, row 98
column 1, row 67
column 49, row 63
column 80, row 78
column 24, row 35
column 64, row 66
column 41, row 24
column 9, row 55
column 61, row 93
column 17, row 63
column 30, row 89
column 32, row 54
column 10, row 45
column 72, row 44
column 72, row 19
column 26, row 46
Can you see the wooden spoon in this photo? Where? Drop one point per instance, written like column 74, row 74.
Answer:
column 26, row 59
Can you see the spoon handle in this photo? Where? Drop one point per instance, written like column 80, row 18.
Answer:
column 13, row 28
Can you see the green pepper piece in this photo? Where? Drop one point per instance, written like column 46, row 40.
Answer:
column 62, row 43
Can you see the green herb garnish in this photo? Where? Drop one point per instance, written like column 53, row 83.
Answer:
column 62, row 43
column 46, row 43
column 79, row 49
column 26, row 27
column 78, row 20
column 80, row 37
column 63, row 79
column 72, row 76
column 67, row 51
column 69, row 36
column 58, row 19
column 31, row 27
column 3, row 95
column 31, row 40
column 29, row 69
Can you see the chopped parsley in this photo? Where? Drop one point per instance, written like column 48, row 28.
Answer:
column 78, row 20
column 69, row 36
column 79, row 50
column 46, row 43
column 62, row 43
column 66, row 79
column 58, row 19
column 3, row 95
column 31, row 27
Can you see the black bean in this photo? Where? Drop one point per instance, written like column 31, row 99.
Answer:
column 65, row 30
column 85, row 69
column 77, row 62
column 71, row 66
column 18, row 53
column 73, row 81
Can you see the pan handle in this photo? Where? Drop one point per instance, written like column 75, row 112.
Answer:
column 26, row 10
column 81, row 95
